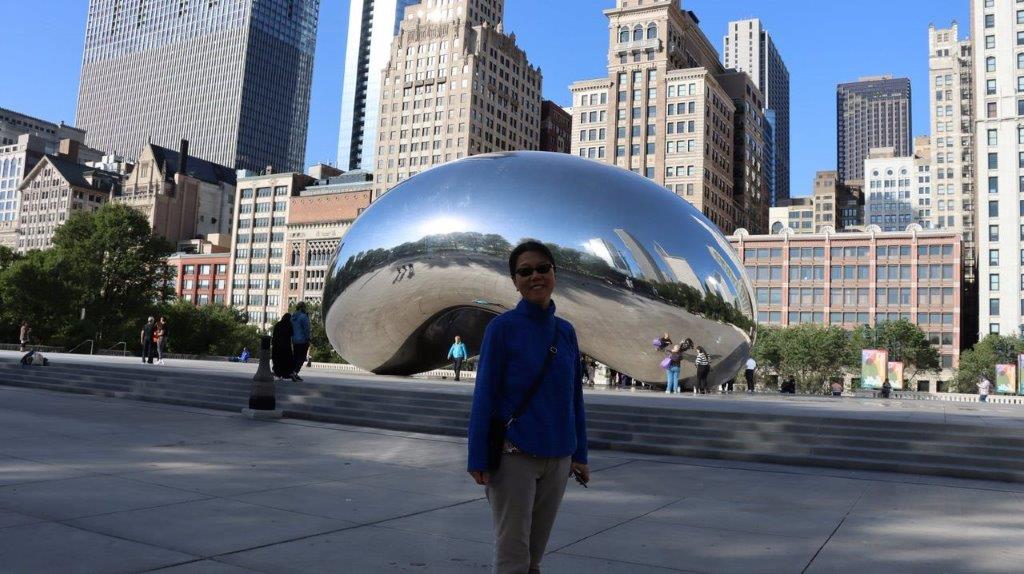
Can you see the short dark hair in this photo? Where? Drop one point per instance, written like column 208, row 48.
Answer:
column 529, row 245
column 300, row 306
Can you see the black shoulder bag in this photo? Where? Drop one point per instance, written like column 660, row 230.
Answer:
column 496, row 440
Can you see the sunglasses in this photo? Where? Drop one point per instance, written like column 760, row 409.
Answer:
column 543, row 269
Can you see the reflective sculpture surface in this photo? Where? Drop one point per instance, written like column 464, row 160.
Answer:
column 429, row 260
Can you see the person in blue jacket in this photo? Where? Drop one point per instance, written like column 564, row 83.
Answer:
column 457, row 352
column 548, row 443
column 300, row 339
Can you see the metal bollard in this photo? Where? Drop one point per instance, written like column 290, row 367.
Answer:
column 262, row 397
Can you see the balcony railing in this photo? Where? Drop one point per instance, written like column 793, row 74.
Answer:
column 653, row 44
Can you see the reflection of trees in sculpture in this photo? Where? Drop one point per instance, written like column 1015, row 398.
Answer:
column 706, row 304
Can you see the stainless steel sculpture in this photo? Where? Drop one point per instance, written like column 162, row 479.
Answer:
column 429, row 260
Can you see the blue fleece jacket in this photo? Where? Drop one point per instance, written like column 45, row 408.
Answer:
column 300, row 328
column 457, row 351
column 513, row 352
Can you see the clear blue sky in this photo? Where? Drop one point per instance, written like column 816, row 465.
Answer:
column 568, row 40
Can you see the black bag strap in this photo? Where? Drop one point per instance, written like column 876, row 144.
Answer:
column 552, row 351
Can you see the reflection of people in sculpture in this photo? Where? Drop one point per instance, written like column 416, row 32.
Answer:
column 527, row 429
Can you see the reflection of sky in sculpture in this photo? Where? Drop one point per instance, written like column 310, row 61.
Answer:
column 605, row 224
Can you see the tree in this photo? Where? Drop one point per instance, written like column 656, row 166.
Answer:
column 903, row 340
column 113, row 264
column 812, row 354
column 982, row 360
column 207, row 330
column 35, row 288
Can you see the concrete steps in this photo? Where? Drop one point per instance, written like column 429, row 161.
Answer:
column 961, row 450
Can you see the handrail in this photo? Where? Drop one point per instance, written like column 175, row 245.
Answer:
column 72, row 349
column 122, row 343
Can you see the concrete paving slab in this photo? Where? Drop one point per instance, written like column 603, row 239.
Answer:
column 559, row 562
column 209, row 527
column 655, row 543
column 53, row 547
column 750, row 517
column 20, row 471
column 8, row 518
column 370, row 549
column 204, row 567
column 87, row 496
column 214, row 479
column 349, row 501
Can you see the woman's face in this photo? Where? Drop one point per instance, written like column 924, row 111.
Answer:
column 536, row 287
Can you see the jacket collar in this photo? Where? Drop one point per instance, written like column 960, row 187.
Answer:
column 535, row 311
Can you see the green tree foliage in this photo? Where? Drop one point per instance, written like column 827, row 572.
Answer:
column 903, row 340
column 208, row 330
column 37, row 289
column 812, row 354
column 982, row 360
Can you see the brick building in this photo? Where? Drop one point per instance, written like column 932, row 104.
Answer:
column 854, row 279
column 555, row 128
column 201, row 278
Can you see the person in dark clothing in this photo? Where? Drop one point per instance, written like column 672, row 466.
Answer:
column 886, row 389
column 148, row 345
column 300, row 339
column 281, row 347
column 788, row 386
column 703, row 362
column 664, row 343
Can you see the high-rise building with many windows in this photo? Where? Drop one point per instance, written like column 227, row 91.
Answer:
column 997, row 29
column 871, row 113
column 951, row 101
column 665, row 112
column 231, row 76
column 372, row 26
column 456, row 85
column 749, row 48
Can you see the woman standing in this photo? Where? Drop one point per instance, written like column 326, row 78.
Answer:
column 160, row 339
column 675, row 357
column 529, row 389
column 703, row 363
column 281, row 357
column 24, row 335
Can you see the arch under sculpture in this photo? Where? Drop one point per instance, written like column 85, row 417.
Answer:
column 429, row 260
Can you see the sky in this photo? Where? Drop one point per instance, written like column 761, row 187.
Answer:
column 822, row 43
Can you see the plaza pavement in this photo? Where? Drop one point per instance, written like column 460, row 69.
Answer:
column 90, row 484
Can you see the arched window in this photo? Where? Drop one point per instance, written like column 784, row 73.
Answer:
column 990, row 64
column 638, row 33
column 623, row 34
column 652, row 32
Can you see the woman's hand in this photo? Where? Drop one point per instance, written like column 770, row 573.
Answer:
column 483, row 478
column 582, row 470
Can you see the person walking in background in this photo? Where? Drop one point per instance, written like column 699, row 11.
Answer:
column 300, row 339
column 703, row 362
column 160, row 339
column 146, row 337
column 984, row 387
column 281, row 359
column 886, row 389
column 674, row 358
column 457, row 352
column 24, row 335
column 749, row 373
column 837, row 389
column 527, row 426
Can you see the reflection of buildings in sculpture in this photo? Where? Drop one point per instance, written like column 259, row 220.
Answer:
column 644, row 261
column 682, row 271
column 606, row 250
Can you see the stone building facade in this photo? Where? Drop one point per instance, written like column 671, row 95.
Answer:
column 456, row 85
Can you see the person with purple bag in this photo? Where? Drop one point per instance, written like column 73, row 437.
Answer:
column 671, row 366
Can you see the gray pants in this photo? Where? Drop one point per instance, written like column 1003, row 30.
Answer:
column 525, row 494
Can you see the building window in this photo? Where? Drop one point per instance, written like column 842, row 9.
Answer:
column 993, row 161
column 993, row 233
column 990, row 64
column 993, row 282
column 993, row 209
column 993, row 307
column 993, row 328
column 993, row 185
column 993, row 257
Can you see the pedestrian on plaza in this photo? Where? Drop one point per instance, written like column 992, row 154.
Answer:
column 673, row 358
column 300, row 339
column 886, row 388
column 242, row 357
column 281, row 358
column 146, row 336
column 160, row 339
column 837, row 389
column 457, row 352
column 24, row 336
column 984, row 387
column 788, row 386
column 703, row 362
column 748, row 374
column 527, row 428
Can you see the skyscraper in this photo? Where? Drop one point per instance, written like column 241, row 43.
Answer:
column 665, row 111
column 372, row 25
column 951, row 101
column 231, row 76
column 749, row 48
column 871, row 113
column 999, row 174
column 456, row 85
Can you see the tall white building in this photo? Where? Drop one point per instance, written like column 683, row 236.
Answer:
column 372, row 25
column 951, row 97
column 890, row 185
column 749, row 48
column 997, row 27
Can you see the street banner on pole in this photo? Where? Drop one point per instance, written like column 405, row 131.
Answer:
column 874, row 365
